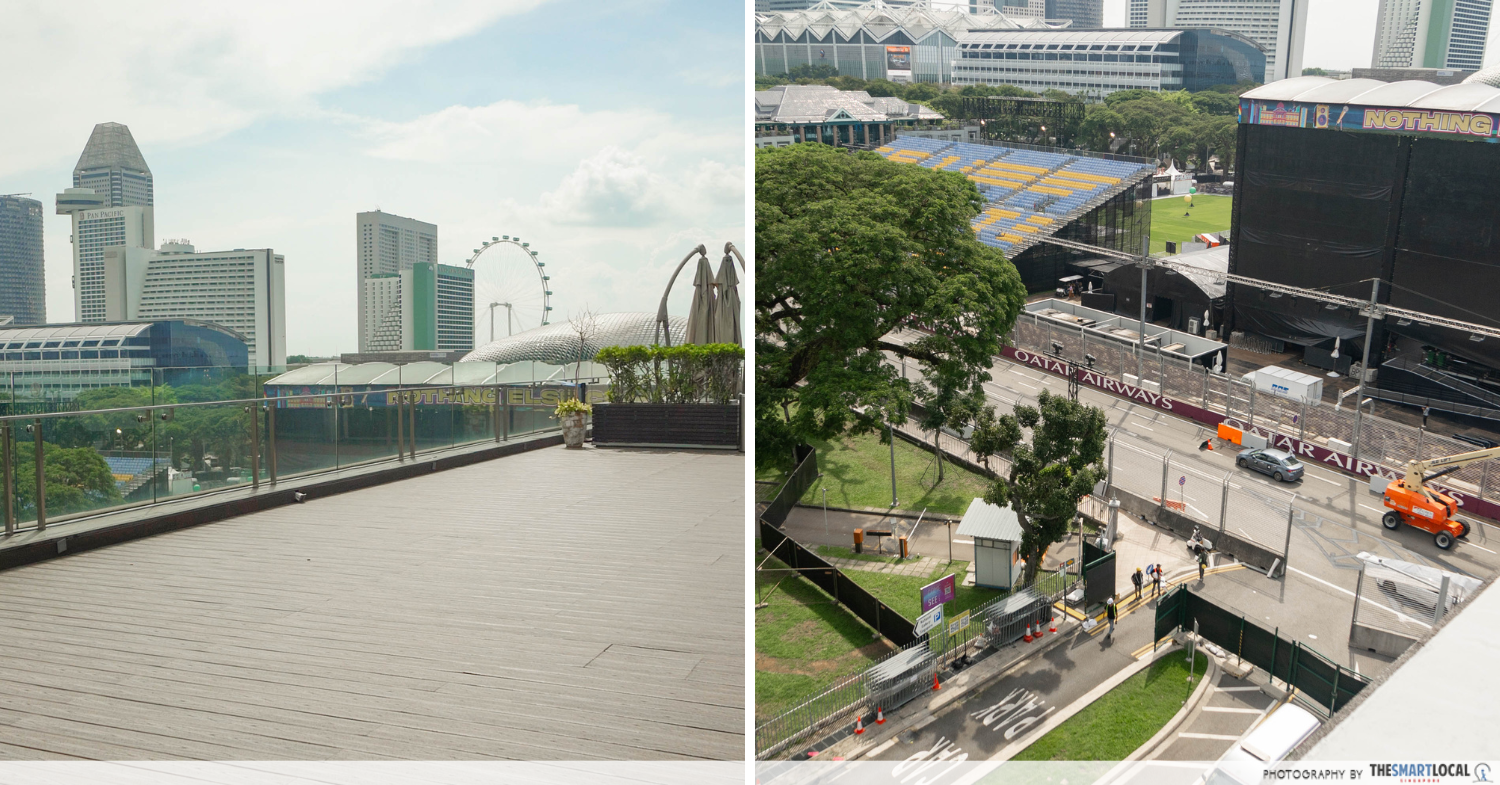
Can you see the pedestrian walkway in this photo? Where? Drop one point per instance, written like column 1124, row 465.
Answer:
column 1233, row 707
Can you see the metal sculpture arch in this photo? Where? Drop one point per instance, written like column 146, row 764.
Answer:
column 661, row 312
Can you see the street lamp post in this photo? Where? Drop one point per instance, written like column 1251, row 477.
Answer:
column 891, row 432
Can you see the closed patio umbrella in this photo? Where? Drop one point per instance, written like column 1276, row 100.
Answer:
column 700, row 326
column 727, row 308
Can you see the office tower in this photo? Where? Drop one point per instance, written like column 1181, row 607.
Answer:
column 1429, row 34
column 244, row 290
column 387, row 245
column 22, row 293
column 455, row 308
column 114, row 168
column 425, row 307
column 1084, row 14
column 111, row 205
column 1278, row 26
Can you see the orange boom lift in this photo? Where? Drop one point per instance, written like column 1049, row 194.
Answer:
column 1411, row 502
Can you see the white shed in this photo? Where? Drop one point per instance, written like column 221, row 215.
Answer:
column 997, row 539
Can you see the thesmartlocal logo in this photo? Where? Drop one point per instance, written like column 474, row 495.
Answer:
column 1430, row 772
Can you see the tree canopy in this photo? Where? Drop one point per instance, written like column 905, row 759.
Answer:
column 850, row 247
column 1049, row 473
column 77, row 479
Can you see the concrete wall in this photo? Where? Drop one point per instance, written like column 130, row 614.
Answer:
column 1391, row 644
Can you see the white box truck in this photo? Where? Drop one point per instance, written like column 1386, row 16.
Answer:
column 1286, row 383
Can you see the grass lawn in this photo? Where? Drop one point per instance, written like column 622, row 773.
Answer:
column 857, row 473
column 904, row 594
column 1124, row 718
column 804, row 641
column 840, row 552
column 1209, row 214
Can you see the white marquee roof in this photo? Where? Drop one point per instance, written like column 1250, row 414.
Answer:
column 879, row 21
column 1411, row 94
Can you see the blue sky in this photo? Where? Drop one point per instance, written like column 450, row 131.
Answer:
column 612, row 140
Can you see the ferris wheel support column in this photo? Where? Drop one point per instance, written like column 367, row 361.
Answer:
column 662, row 325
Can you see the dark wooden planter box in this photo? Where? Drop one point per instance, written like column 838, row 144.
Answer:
column 710, row 425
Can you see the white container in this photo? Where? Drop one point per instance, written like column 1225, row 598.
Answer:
column 1286, row 383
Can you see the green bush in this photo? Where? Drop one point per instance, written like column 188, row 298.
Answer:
column 693, row 373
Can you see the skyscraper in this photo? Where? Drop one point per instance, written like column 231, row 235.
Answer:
column 424, row 307
column 22, row 293
column 1431, row 34
column 387, row 245
column 1083, row 14
column 1278, row 26
column 113, row 166
column 111, row 205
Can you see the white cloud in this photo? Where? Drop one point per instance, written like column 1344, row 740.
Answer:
column 612, row 188
column 190, row 70
column 506, row 131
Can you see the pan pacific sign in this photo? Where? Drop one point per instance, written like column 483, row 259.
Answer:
column 1371, row 119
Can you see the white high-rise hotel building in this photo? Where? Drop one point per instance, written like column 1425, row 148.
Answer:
column 117, row 276
column 1278, row 26
column 388, row 245
column 1431, row 34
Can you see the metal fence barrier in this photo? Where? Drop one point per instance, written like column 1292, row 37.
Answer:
column 1320, row 679
column 908, row 672
column 797, row 483
column 1379, row 440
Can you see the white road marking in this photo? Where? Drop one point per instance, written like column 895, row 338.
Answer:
column 1324, row 479
column 1209, row 736
column 1468, row 544
column 1237, row 689
column 1024, row 384
column 1231, row 710
column 957, row 542
column 1399, row 614
column 1372, row 509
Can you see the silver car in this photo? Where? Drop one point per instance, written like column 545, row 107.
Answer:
column 1280, row 464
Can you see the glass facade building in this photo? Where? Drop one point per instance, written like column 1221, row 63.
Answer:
column 1099, row 62
column 58, row 361
column 22, row 292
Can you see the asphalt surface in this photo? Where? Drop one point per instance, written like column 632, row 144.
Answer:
column 1336, row 518
column 1014, row 707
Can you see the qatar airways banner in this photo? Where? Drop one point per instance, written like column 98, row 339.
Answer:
column 1305, row 450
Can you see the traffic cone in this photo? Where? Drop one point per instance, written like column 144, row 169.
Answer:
column 879, row 716
column 935, row 684
column 1038, row 634
column 1027, row 636
column 1054, row 624
column 859, row 724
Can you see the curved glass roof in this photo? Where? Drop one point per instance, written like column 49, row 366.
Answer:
column 558, row 344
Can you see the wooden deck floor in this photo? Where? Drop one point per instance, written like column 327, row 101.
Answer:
column 553, row 605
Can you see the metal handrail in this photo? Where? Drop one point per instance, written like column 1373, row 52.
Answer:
column 245, row 401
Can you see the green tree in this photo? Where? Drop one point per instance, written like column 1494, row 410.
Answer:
column 1216, row 103
column 883, row 88
column 1314, row 72
column 1049, row 473
column 849, row 248
column 921, row 91
column 808, row 71
column 76, row 478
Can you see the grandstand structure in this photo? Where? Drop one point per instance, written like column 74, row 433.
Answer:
column 132, row 472
column 1037, row 193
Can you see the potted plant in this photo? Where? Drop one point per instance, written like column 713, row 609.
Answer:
column 571, row 413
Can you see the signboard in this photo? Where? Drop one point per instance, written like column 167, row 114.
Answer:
column 1371, row 119
column 938, row 592
column 958, row 624
column 929, row 620
column 898, row 63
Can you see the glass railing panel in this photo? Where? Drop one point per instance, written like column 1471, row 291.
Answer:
column 209, row 447
column 474, row 417
column 435, row 418
column 368, row 427
column 306, row 433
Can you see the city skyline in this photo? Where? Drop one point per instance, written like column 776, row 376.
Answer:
column 613, row 166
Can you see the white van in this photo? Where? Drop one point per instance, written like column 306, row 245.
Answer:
column 1270, row 741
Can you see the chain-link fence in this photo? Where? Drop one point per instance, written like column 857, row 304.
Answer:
column 1381, row 441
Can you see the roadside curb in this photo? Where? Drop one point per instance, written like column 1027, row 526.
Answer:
column 1015, row 747
column 1155, row 744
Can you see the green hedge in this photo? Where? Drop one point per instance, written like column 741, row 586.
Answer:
column 694, row 373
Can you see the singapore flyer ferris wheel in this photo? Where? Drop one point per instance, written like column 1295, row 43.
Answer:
column 512, row 289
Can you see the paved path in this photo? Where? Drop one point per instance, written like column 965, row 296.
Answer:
column 1012, row 709
column 559, row 604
